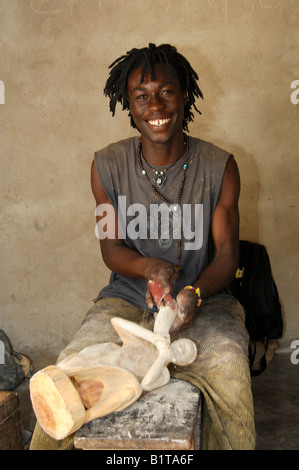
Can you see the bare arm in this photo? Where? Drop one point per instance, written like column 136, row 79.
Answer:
column 225, row 233
column 126, row 261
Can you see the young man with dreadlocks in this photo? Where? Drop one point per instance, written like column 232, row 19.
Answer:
column 164, row 165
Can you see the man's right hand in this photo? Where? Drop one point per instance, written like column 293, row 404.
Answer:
column 163, row 273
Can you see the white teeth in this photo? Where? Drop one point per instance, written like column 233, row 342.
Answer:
column 158, row 122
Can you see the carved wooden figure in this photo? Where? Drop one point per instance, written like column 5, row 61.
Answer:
column 106, row 378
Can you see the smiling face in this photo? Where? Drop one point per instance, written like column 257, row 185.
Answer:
column 157, row 106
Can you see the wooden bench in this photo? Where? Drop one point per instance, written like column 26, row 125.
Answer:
column 165, row 418
column 11, row 437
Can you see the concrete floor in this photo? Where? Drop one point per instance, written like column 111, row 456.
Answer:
column 276, row 398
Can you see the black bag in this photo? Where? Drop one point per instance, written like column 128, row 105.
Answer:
column 256, row 290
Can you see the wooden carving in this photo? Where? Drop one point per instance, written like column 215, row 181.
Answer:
column 106, row 378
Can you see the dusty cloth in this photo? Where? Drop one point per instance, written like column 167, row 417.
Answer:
column 221, row 370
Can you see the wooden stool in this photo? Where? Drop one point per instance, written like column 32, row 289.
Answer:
column 166, row 418
column 11, row 437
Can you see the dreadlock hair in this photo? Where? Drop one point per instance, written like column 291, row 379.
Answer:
column 175, row 64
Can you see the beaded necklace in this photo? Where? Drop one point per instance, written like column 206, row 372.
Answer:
column 180, row 191
column 159, row 177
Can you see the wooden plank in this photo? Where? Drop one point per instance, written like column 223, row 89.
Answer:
column 166, row 418
column 11, row 437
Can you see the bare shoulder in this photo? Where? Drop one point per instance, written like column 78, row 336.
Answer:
column 231, row 169
column 96, row 186
column 231, row 177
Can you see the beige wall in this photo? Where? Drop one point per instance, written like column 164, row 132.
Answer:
column 54, row 58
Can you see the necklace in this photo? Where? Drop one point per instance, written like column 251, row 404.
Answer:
column 161, row 196
column 159, row 177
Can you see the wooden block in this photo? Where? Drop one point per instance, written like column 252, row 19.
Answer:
column 165, row 418
column 11, row 437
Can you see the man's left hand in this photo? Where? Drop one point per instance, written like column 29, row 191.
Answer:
column 186, row 303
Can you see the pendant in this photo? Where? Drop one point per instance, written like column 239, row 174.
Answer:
column 159, row 179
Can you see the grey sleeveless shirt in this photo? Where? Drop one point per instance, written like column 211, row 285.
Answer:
column 147, row 225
